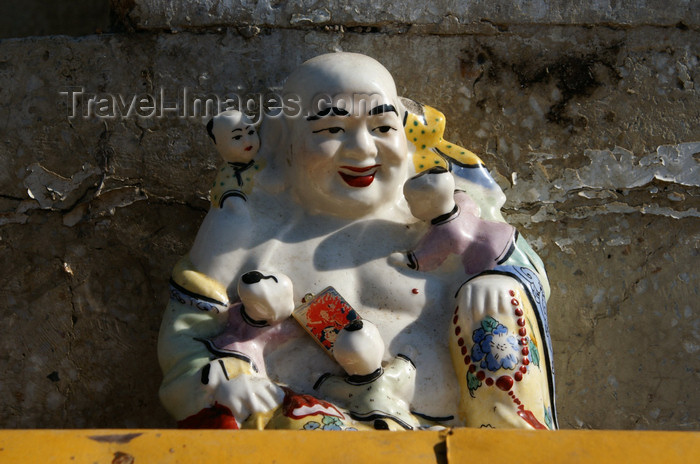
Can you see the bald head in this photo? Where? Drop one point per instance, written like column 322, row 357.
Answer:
column 320, row 80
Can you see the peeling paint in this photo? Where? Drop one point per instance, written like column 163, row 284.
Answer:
column 608, row 172
column 618, row 241
column 55, row 192
column 52, row 191
column 563, row 244
column 320, row 16
column 621, row 169
column 115, row 438
column 122, row 458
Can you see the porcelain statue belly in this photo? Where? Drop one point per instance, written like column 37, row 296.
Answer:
column 328, row 209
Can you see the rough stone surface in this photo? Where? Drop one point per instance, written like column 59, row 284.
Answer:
column 446, row 16
column 592, row 131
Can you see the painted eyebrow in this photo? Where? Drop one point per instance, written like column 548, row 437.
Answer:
column 234, row 130
column 333, row 111
column 385, row 108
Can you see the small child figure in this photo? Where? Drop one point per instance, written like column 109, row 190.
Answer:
column 266, row 300
column 237, row 142
column 455, row 227
column 370, row 392
column 235, row 379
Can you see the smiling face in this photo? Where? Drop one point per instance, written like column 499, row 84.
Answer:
column 348, row 149
column 235, row 137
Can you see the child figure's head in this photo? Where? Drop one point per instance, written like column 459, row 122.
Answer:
column 430, row 194
column 359, row 348
column 266, row 296
column 235, row 137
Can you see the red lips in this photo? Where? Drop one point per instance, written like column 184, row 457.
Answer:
column 365, row 178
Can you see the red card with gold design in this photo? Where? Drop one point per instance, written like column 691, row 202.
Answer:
column 324, row 315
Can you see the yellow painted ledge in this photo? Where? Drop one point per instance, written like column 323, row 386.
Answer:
column 454, row 446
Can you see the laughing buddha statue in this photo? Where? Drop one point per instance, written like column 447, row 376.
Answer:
column 324, row 235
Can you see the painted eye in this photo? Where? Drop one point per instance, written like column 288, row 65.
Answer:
column 237, row 137
column 251, row 132
column 332, row 130
column 384, row 129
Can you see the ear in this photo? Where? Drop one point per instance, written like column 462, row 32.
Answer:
column 210, row 128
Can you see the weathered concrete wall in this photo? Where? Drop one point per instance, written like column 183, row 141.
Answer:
column 589, row 119
column 165, row 14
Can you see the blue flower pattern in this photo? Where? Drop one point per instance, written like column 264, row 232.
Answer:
column 329, row 423
column 494, row 347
